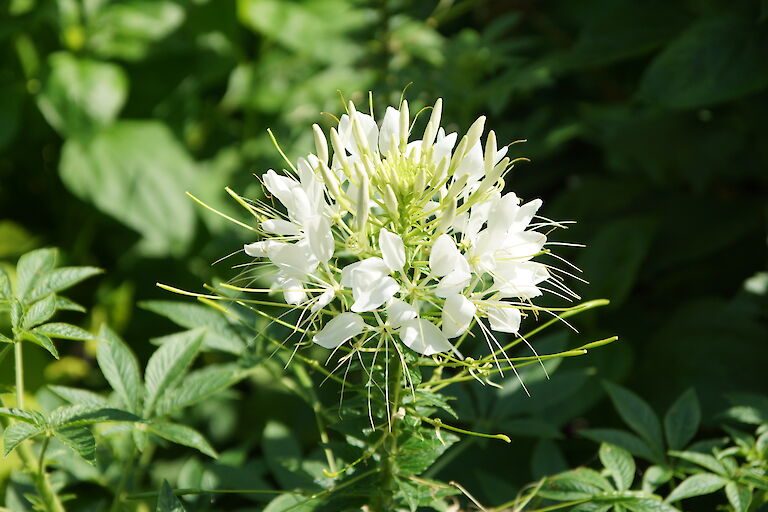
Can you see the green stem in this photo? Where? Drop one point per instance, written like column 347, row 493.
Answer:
column 317, row 408
column 120, row 491
column 48, row 496
column 384, row 500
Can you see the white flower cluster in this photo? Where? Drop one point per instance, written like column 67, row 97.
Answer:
column 397, row 239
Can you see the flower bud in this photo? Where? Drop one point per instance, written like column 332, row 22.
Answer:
column 321, row 145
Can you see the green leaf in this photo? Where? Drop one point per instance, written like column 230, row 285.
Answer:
column 739, row 496
column 648, row 505
column 748, row 408
column 181, row 434
column 62, row 278
column 168, row 364
column 42, row 340
column 27, row 416
column 703, row 460
column 623, row 439
column 696, row 485
column 39, row 312
column 80, row 396
column 142, row 189
column 126, row 30
column 197, row 386
column 619, row 464
column 17, row 313
column 682, row 420
column 6, row 291
column 219, row 333
column 81, row 414
column 17, row 433
column 547, row 459
column 292, row 503
column 421, row 449
column 120, row 368
column 638, row 415
column 31, row 267
column 65, row 304
column 81, row 94
column 284, row 456
column 577, row 484
column 656, row 476
column 64, row 331
column 167, row 500
column 80, row 440
column 717, row 59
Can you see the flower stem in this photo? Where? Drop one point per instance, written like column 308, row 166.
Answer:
column 384, row 500
column 48, row 496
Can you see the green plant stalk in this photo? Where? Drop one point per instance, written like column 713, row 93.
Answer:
column 388, row 450
column 50, row 499
column 317, row 408
column 119, row 494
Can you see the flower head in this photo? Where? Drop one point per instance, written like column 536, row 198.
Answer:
column 389, row 238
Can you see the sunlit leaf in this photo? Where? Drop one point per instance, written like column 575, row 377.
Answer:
column 181, row 434
column 120, row 368
column 168, row 364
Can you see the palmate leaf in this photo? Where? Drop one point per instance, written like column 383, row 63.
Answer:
column 167, row 500
column 697, row 485
column 6, row 291
column 623, row 439
column 197, row 386
column 739, row 496
column 422, row 449
column 64, row 331
column 682, row 420
column 168, row 364
column 80, row 414
column 619, row 463
column 80, row 440
column 60, row 279
column 120, row 368
column 42, row 340
column 639, row 416
column 17, row 433
column 183, row 435
column 702, row 459
column 577, row 484
column 31, row 268
column 80, row 396
column 39, row 312
column 31, row 417
column 648, row 505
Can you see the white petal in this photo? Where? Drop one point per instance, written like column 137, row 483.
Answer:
column 520, row 279
column 458, row 313
column 525, row 214
column 389, row 137
column 293, row 290
column 522, row 245
column 320, row 238
column 258, row 249
column 503, row 317
column 444, row 256
column 443, row 145
column 368, row 264
column 371, row 291
column 424, row 337
column 323, row 300
column 392, row 250
column 472, row 164
column 294, row 260
column 502, row 215
column 453, row 283
column 367, row 126
column 399, row 312
column 280, row 227
column 339, row 330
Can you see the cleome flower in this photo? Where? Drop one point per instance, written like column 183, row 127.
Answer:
column 388, row 238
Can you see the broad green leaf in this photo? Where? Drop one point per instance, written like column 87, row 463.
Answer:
column 696, row 485
column 81, row 94
column 576, row 484
column 31, row 267
column 739, row 496
column 42, row 340
column 619, row 464
column 64, row 331
column 292, row 503
column 39, row 312
column 126, row 30
column 120, row 368
column 17, row 433
column 6, row 291
column 748, row 408
column 702, row 459
column 421, row 449
column 656, row 476
column 168, row 364
column 648, row 505
column 17, row 313
column 80, row 440
column 65, row 304
column 181, row 434
column 142, row 189
column 80, row 396
column 638, row 415
column 547, row 459
column 197, row 386
column 62, row 278
column 167, row 500
column 591, row 506
column 718, row 58
column 623, row 439
column 682, row 420
column 219, row 333
column 27, row 416
column 80, row 414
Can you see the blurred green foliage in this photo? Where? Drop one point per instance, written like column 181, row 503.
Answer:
column 645, row 122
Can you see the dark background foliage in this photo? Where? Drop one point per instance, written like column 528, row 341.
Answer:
column 645, row 123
